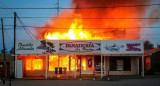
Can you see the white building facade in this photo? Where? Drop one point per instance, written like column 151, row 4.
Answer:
column 75, row 58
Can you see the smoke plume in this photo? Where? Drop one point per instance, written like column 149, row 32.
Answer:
column 108, row 19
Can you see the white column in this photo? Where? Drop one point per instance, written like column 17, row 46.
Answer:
column 93, row 67
column 58, row 65
column 75, row 66
column 142, row 66
column 101, row 66
column 80, row 67
column 137, row 65
column 46, row 67
column 108, row 66
column 105, row 66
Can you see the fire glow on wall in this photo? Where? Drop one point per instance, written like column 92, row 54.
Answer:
column 67, row 62
column 64, row 61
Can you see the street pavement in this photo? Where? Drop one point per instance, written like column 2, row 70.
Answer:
column 116, row 82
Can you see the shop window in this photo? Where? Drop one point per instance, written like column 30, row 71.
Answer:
column 53, row 62
column 28, row 64
column 120, row 63
column 37, row 64
column 34, row 64
column 72, row 63
column 84, row 64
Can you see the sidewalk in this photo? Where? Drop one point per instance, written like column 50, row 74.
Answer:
column 148, row 80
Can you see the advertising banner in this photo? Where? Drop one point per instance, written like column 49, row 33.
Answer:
column 80, row 46
column 122, row 47
column 36, row 47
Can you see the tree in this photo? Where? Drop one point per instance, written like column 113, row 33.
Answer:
column 2, row 51
column 11, row 51
column 158, row 45
column 148, row 45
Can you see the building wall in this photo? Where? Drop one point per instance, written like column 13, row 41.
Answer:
column 10, row 60
column 155, row 62
column 134, row 69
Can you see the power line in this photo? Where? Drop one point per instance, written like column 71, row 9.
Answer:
column 84, row 18
column 104, row 32
column 6, row 7
column 36, row 27
column 143, row 5
column 8, row 37
column 24, row 27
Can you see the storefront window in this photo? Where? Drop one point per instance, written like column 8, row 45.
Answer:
column 67, row 62
column 73, row 66
column 120, row 63
column 84, row 64
column 53, row 62
column 34, row 64
column 37, row 64
column 28, row 64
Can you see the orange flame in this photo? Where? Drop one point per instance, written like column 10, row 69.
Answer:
column 37, row 64
column 73, row 63
column 53, row 62
column 63, row 62
column 28, row 64
column 84, row 64
column 75, row 33
column 34, row 64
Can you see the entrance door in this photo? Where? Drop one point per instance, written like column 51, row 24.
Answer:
column 87, row 64
column 62, row 66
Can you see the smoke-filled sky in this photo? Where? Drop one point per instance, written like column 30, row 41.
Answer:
column 120, row 11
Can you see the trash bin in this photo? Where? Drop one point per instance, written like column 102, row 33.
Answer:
column 60, row 70
column 64, row 70
column 56, row 70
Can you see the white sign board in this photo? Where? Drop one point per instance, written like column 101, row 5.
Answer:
column 36, row 46
column 80, row 46
column 122, row 47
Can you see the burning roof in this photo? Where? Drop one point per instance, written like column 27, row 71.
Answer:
column 97, row 20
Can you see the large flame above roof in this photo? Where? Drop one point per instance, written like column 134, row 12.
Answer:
column 101, row 23
column 75, row 32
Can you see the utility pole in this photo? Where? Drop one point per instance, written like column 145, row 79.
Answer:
column 15, row 24
column 4, row 50
column 57, row 7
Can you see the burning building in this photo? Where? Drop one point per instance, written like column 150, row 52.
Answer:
column 74, row 58
column 97, row 37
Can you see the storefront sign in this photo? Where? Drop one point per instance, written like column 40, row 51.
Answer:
column 36, row 47
column 80, row 47
column 122, row 47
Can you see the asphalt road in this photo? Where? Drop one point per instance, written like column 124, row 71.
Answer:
column 122, row 82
